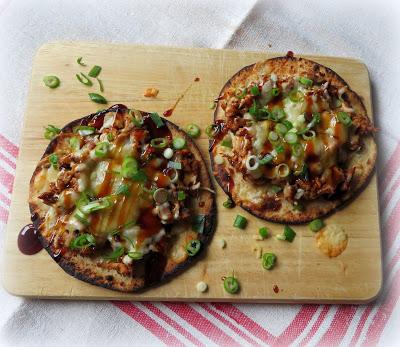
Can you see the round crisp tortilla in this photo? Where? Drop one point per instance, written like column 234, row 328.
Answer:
column 155, row 267
column 363, row 160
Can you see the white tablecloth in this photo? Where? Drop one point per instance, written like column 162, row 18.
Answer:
column 363, row 29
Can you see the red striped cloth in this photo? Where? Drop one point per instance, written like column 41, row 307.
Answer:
column 181, row 324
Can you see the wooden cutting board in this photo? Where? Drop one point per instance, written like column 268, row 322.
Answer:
column 302, row 274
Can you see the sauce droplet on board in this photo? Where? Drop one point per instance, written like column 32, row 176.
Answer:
column 28, row 240
column 276, row 289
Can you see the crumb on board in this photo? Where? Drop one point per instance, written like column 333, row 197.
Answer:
column 151, row 92
column 222, row 243
column 257, row 250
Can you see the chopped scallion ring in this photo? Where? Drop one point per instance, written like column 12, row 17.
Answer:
column 130, row 167
column 295, row 96
column 174, row 165
column 263, row 232
column 95, row 71
column 309, row 135
column 291, row 138
column 211, row 130
column 83, row 241
column 282, row 170
column 80, row 62
column 273, row 136
column 255, row 91
column 279, row 149
column 231, row 285
column 316, row 225
column 178, row 143
column 97, row 98
column 158, row 142
column 100, row 82
column 51, row 81
column 160, row 195
column 53, row 159
column 277, row 114
column 81, row 217
column 252, row 163
column 96, row 205
column 101, row 149
column 240, row 222
column 135, row 255
column 84, row 130
column 268, row 261
column 117, row 253
column 193, row 130
column 344, row 118
column 181, row 195
column 281, row 129
column 123, row 189
column 75, row 143
column 266, row 159
column 275, row 189
column 297, row 150
column 305, row 81
column 193, row 247
column 84, row 79
column 289, row 233
column 51, row 131
column 275, row 91
column 110, row 137
column 287, row 124
column 228, row 203
column 155, row 117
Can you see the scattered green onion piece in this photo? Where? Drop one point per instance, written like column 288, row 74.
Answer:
column 344, row 118
column 83, row 241
column 295, row 96
column 84, row 130
column 305, row 81
column 178, row 143
column 273, row 136
column 100, row 82
column 291, row 138
column 123, row 189
column 198, row 223
column 101, row 149
column 117, row 253
column 157, row 119
column 240, row 222
column 174, row 165
column 297, row 150
column 211, row 130
column 160, row 195
column 279, row 149
column 120, row 227
column 139, row 176
column 280, row 237
column 275, row 189
column 268, row 261
column 275, row 91
column 283, row 170
column 231, row 285
column 51, row 131
column 303, row 172
column 80, row 62
column 253, row 109
column 74, row 142
column 336, row 103
column 110, row 137
column 51, row 81
column 242, row 94
column 289, row 233
column 96, row 205
column 262, row 114
column 277, row 114
column 83, row 200
column 97, row 98
column 95, row 71
column 181, row 195
column 130, row 167
column 84, row 79
column 281, row 129
column 309, row 135
column 135, row 255
column 287, row 124
column 158, row 142
column 193, row 131
column 193, row 247
column 316, row 225
column 81, row 217
column 229, row 203
column 266, row 159
column 227, row 142
column 263, row 232
column 255, row 91
column 53, row 159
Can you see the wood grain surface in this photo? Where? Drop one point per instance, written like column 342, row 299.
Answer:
column 302, row 274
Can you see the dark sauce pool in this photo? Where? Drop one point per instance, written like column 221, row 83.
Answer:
column 28, row 240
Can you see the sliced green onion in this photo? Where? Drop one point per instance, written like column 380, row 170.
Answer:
column 295, row 96
column 123, row 189
column 193, row 130
column 181, row 195
column 83, row 200
column 268, row 261
column 95, row 71
column 51, row 81
column 266, row 159
column 102, row 149
column 316, row 225
column 255, row 91
column 287, row 124
column 252, row 163
column 97, row 98
column 84, row 79
column 157, row 119
column 80, row 62
column 51, row 131
column 279, row 149
column 275, row 189
column 240, row 222
column 117, row 253
column 242, row 94
column 336, row 103
column 160, row 195
column 211, row 130
column 305, row 81
column 281, row 129
column 297, row 150
column 198, row 223
column 96, row 205
column 253, row 109
column 263, row 232
column 275, row 91
column 159, row 142
column 227, row 142
column 110, row 137
column 135, row 255
column 174, row 165
column 280, row 237
column 291, row 138
column 303, row 172
column 263, row 114
column 193, row 247
column 277, row 114
column 229, row 203
column 100, row 82
column 53, row 159
column 273, row 136
column 139, row 176
column 309, row 135
column 231, row 285
column 84, row 130
column 178, row 143
column 83, row 241
column 283, row 170
column 130, row 167
column 289, row 233
column 344, row 118
column 81, row 217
